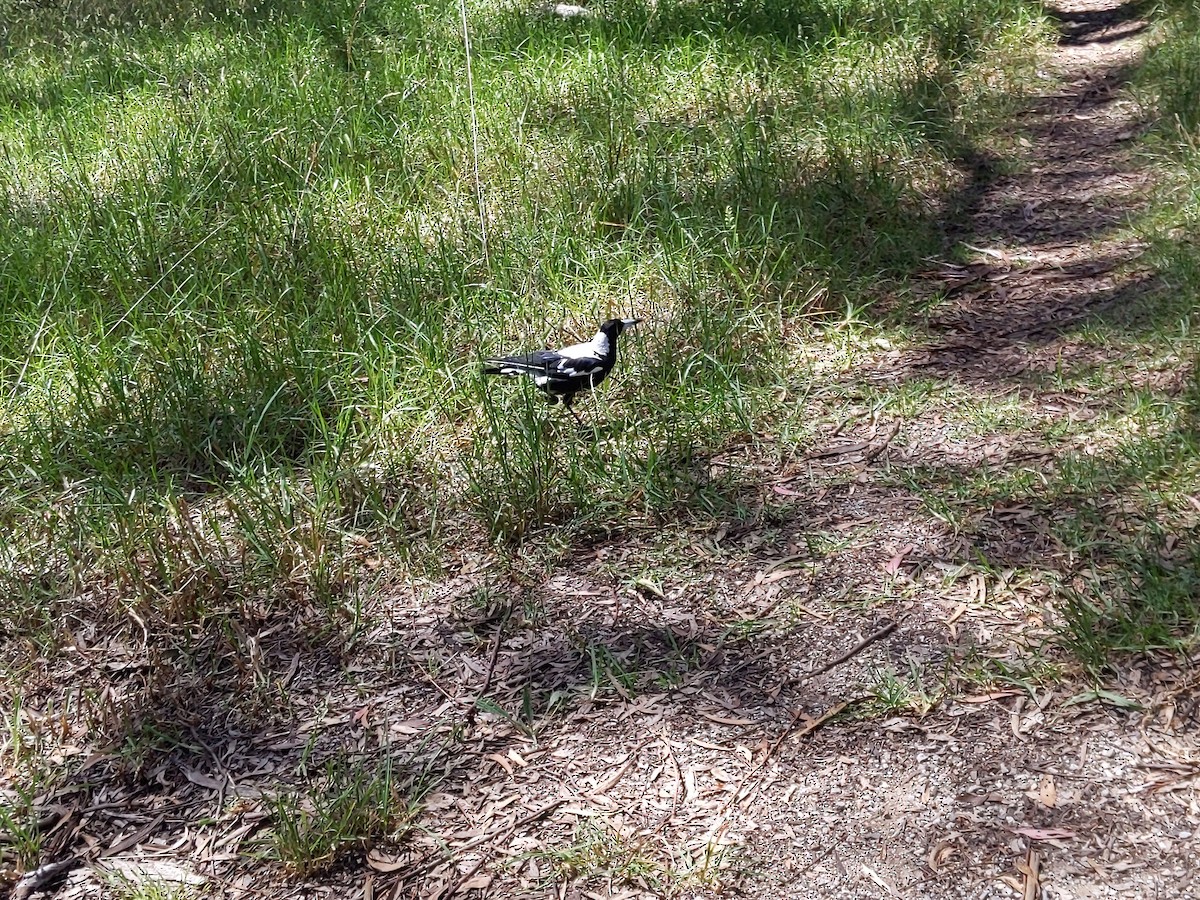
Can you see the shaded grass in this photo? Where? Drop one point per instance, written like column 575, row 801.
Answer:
column 600, row 851
column 1112, row 520
column 1170, row 76
column 1112, row 523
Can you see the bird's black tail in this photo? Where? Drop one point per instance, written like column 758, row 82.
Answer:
column 497, row 365
column 511, row 365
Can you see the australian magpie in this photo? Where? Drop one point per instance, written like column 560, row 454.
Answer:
column 564, row 373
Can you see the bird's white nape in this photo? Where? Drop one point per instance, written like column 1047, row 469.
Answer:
column 596, row 348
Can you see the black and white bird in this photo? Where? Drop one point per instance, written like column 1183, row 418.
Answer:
column 564, row 373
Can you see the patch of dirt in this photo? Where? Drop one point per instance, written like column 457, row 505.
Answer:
column 664, row 718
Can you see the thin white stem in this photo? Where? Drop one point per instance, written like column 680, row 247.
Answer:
column 474, row 135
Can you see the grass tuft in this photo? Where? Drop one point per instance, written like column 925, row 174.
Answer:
column 350, row 806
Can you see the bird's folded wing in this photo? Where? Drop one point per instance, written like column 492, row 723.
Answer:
column 540, row 362
column 579, row 366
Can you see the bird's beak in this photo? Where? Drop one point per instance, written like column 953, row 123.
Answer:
column 629, row 323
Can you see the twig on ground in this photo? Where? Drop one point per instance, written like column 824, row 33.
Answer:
column 41, row 876
column 610, row 782
column 816, row 723
column 808, row 729
column 458, row 701
column 487, row 678
column 1033, row 866
column 756, row 772
column 136, row 837
column 871, row 454
column 1058, row 774
column 1002, row 255
column 454, row 886
column 670, row 813
column 856, row 649
column 812, row 726
column 823, row 856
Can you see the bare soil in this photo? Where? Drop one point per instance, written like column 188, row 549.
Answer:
column 667, row 735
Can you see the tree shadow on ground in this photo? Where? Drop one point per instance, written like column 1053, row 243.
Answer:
column 1099, row 25
column 259, row 717
column 1061, row 300
column 1057, row 259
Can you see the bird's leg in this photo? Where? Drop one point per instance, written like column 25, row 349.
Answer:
column 568, row 400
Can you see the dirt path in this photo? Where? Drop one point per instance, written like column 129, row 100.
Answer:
column 702, row 758
column 1048, row 237
column 992, row 795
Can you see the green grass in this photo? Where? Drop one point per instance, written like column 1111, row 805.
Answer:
column 1154, row 605
column 246, row 276
column 600, row 851
column 131, row 887
column 247, row 273
column 28, row 776
column 891, row 694
column 1117, row 506
column 350, row 805
column 20, row 829
column 1125, row 507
